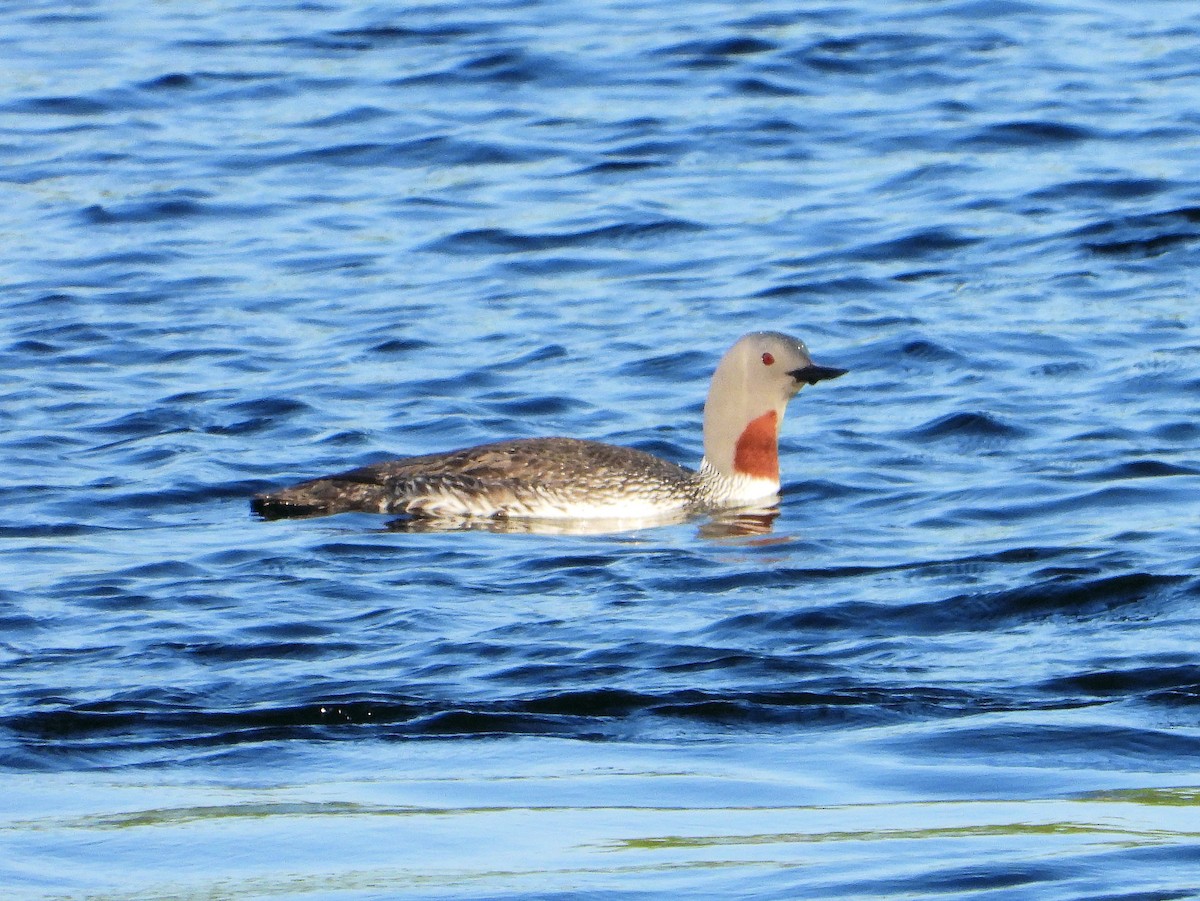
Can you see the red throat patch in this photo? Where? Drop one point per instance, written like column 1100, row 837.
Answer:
column 756, row 453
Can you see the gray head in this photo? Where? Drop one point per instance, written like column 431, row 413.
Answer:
column 749, row 392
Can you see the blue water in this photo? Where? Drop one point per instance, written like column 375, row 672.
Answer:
column 246, row 244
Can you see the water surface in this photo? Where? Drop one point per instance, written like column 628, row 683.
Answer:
column 250, row 245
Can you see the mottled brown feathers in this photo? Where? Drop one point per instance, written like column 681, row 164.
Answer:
column 506, row 477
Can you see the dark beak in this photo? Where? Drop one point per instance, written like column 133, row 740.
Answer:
column 812, row 373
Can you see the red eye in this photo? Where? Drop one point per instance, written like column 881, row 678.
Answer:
column 768, row 360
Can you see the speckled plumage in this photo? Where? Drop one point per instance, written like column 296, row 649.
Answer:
column 523, row 477
column 559, row 478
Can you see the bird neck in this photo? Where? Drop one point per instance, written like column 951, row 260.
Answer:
column 741, row 433
column 756, row 451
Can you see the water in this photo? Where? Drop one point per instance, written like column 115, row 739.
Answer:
column 248, row 244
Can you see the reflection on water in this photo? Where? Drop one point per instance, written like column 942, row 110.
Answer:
column 508, row 822
column 745, row 523
column 739, row 523
column 532, row 525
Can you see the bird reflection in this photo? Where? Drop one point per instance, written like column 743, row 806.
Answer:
column 743, row 524
column 723, row 526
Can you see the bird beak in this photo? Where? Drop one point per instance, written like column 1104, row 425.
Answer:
column 812, row 373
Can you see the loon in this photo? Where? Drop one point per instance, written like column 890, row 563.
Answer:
column 571, row 478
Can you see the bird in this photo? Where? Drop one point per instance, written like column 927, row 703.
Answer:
column 571, row 478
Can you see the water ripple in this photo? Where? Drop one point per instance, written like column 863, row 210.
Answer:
column 264, row 244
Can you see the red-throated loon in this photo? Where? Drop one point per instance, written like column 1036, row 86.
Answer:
column 569, row 478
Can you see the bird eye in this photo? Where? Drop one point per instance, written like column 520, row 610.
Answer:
column 768, row 359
